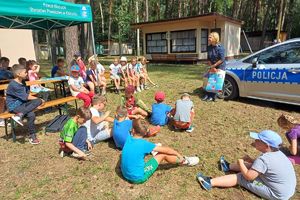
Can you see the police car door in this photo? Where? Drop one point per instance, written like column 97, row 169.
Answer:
column 276, row 75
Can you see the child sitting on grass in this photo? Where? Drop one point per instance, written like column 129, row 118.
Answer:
column 114, row 74
column 133, row 165
column 73, row 137
column 77, row 88
column 270, row 176
column 122, row 127
column 20, row 102
column 135, row 108
column 183, row 114
column 292, row 128
column 160, row 110
column 98, row 127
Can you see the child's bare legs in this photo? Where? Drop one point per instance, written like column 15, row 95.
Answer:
column 224, row 181
column 117, row 83
column 148, row 78
column 139, row 111
column 236, row 168
column 168, row 158
column 91, row 86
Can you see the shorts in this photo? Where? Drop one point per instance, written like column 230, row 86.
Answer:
column 63, row 146
column 130, row 110
column 103, row 133
column 114, row 76
column 149, row 169
column 180, row 124
column 257, row 187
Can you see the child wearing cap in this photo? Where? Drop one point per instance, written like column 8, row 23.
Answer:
column 270, row 176
column 134, row 168
column 160, row 110
column 123, row 73
column 115, row 68
column 135, row 108
column 292, row 128
column 122, row 127
column 77, row 88
column 82, row 68
column 183, row 114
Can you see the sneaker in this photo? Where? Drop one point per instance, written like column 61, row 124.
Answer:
column 204, row 98
column 103, row 92
column 154, row 153
column 138, row 89
column 210, row 99
column 146, row 87
column 34, row 141
column 75, row 155
column 62, row 153
column 142, row 87
column 224, row 164
column 2, row 123
column 204, row 181
column 190, row 129
column 17, row 119
column 191, row 161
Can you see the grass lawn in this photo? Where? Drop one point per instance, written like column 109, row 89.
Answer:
column 221, row 128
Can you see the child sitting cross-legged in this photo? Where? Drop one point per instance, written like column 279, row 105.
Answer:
column 77, row 88
column 73, row 137
column 98, row 126
column 133, row 165
column 183, row 114
column 160, row 110
column 135, row 108
column 270, row 176
column 122, row 127
column 21, row 102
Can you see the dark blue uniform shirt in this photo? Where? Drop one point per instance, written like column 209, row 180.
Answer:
column 215, row 53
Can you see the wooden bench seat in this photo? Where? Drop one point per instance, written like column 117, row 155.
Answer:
column 55, row 102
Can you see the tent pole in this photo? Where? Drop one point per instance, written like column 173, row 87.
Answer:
column 93, row 38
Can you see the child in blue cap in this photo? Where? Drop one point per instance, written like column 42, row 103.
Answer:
column 270, row 176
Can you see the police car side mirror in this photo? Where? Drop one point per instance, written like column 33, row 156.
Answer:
column 254, row 62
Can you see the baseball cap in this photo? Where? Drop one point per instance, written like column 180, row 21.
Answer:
column 269, row 137
column 75, row 68
column 159, row 96
column 123, row 58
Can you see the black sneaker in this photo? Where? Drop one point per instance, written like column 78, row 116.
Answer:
column 204, row 98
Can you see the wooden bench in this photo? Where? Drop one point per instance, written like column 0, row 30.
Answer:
column 56, row 102
column 163, row 57
column 187, row 57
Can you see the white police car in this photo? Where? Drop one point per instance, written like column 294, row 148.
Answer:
column 271, row 74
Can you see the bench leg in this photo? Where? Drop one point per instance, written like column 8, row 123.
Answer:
column 6, row 132
column 12, row 123
column 76, row 106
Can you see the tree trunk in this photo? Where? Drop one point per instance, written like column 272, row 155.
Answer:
column 146, row 10
column 109, row 25
column 35, row 44
column 179, row 8
column 102, row 18
column 264, row 29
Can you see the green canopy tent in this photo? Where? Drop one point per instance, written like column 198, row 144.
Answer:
column 43, row 15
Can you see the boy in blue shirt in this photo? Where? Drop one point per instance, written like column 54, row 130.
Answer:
column 122, row 127
column 160, row 110
column 133, row 166
column 20, row 102
column 58, row 69
column 270, row 176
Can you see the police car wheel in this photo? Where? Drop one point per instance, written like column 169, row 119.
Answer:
column 230, row 88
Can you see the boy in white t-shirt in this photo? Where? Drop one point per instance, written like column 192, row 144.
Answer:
column 98, row 126
column 77, row 89
column 114, row 70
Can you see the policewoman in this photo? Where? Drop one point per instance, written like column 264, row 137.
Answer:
column 216, row 59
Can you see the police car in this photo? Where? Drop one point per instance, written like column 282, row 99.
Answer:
column 271, row 74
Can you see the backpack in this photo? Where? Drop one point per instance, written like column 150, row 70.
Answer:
column 57, row 124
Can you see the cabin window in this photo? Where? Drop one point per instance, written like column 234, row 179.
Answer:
column 156, row 43
column 183, row 41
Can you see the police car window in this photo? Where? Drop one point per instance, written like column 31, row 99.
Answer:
column 283, row 54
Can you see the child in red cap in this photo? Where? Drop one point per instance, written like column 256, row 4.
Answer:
column 135, row 108
column 160, row 110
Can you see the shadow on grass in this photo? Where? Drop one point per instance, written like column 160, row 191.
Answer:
column 268, row 104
